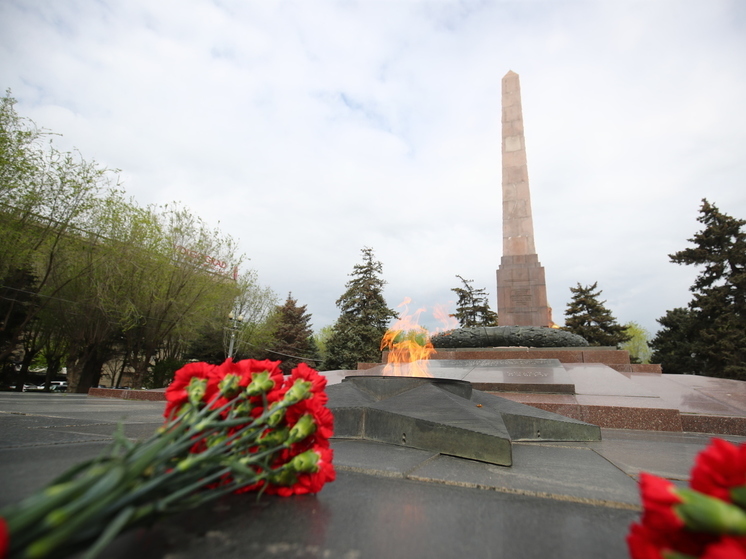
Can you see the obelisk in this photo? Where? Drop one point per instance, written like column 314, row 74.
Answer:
column 521, row 287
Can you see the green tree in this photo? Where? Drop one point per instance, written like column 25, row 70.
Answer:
column 181, row 286
column 88, row 276
column 211, row 340
column 364, row 318
column 719, row 303
column 46, row 198
column 637, row 344
column 673, row 345
column 473, row 307
column 586, row 316
column 321, row 338
column 293, row 336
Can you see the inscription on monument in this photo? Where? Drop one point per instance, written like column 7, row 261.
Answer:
column 520, row 297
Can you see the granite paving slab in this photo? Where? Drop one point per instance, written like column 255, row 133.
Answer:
column 367, row 457
column 368, row 517
column 632, row 457
column 601, row 380
column 25, row 469
column 131, row 430
column 637, row 451
column 565, row 473
column 701, row 395
column 81, row 406
column 28, row 430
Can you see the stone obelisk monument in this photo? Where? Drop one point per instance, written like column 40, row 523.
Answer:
column 521, row 287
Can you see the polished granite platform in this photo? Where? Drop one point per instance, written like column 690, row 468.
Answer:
column 601, row 395
column 558, row 499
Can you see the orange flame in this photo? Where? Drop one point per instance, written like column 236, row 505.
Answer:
column 448, row 321
column 408, row 345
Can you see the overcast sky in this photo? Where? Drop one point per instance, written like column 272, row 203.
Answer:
column 310, row 129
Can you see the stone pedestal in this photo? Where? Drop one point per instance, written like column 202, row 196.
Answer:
column 522, row 292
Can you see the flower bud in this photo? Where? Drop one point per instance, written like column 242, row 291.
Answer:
column 302, row 429
column 284, row 477
column 276, row 416
column 229, row 386
column 196, row 390
column 703, row 513
column 300, row 390
column 305, row 462
column 261, row 383
column 187, row 463
column 273, row 437
column 243, row 409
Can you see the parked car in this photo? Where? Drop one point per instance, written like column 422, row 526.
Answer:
column 58, row 386
column 54, row 386
column 26, row 387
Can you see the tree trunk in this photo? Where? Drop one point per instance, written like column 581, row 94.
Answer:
column 28, row 356
column 90, row 371
column 53, row 367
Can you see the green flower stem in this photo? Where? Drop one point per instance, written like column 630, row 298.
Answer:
column 135, row 481
column 66, row 532
column 190, row 488
column 75, row 470
column 102, row 487
column 29, row 520
column 35, row 508
column 111, row 532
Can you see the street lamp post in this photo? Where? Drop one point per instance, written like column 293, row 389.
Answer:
column 235, row 324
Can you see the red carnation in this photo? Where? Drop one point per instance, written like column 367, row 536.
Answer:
column 304, row 372
column 643, row 543
column 255, row 366
column 4, row 538
column 176, row 394
column 245, row 371
column 248, row 367
column 323, row 418
column 728, row 547
column 719, row 468
column 311, row 482
column 658, row 499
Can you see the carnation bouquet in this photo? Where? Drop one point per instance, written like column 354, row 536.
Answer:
column 238, row 427
column 707, row 520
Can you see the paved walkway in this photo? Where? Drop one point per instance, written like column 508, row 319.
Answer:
column 557, row 500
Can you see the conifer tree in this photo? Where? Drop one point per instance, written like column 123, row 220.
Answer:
column 674, row 342
column 364, row 318
column 586, row 316
column 718, row 309
column 473, row 307
column 293, row 336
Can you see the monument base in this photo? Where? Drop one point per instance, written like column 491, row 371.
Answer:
column 444, row 415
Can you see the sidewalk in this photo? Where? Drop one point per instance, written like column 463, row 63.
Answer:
column 557, row 500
